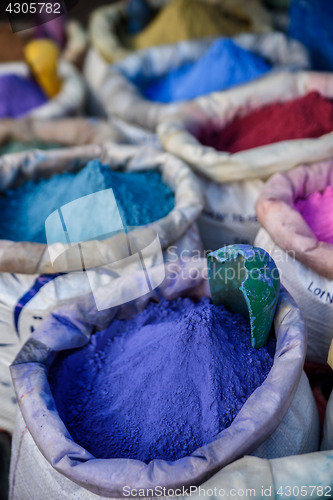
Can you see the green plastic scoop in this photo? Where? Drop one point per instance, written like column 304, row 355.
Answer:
column 245, row 280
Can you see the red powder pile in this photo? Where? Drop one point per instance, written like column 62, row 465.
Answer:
column 317, row 211
column 308, row 116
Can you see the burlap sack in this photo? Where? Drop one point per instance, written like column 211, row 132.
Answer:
column 36, row 278
column 122, row 98
column 69, row 101
column 305, row 264
column 279, row 418
column 178, row 135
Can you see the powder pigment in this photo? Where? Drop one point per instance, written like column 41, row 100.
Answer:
column 141, row 197
column 18, row 96
column 317, row 211
column 187, row 19
column 159, row 385
column 223, row 65
column 305, row 117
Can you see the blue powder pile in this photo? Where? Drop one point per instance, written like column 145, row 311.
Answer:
column 310, row 22
column 159, row 385
column 142, row 197
column 140, row 13
column 224, row 65
column 18, row 96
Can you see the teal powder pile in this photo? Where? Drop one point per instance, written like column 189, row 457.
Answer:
column 20, row 146
column 161, row 384
column 142, row 197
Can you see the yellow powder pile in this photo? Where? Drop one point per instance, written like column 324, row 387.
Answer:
column 42, row 56
column 186, row 19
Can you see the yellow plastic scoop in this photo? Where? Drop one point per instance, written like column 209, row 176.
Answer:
column 245, row 280
column 42, row 56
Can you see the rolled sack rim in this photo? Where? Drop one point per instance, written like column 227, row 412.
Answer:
column 257, row 420
column 34, row 258
column 285, row 225
column 77, row 42
column 102, row 31
column 67, row 131
column 177, row 131
column 121, row 96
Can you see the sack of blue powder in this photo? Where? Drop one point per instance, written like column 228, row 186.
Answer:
column 160, row 385
column 150, row 187
column 155, row 378
column 147, row 190
column 224, row 65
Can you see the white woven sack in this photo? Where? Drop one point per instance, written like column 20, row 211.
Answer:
column 133, row 134
column 177, row 134
column 69, row 101
column 30, row 286
column 308, row 476
column 299, row 430
column 266, row 424
column 305, row 264
column 77, row 42
column 312, row 292
column 122, row 98
column 229, row 216
column 102, row 31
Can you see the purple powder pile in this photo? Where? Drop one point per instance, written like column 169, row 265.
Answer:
column 19, row 95
column 159, row 385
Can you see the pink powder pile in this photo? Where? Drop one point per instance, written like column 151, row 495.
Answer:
column 317, row 211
